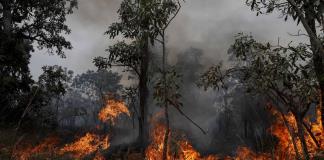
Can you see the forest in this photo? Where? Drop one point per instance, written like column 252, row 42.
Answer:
column 161, row 80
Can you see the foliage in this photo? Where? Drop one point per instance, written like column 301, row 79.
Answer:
column 286, row 7
column 38, row 21
column 96, row 84
column 54, row 80
column 168, row 88
column 138, row 19
column 141, row 18
column 282, row 73
column 23, row 24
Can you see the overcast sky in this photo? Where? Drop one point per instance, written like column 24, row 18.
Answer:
column 206, row 24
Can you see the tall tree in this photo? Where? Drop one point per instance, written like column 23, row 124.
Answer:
column 23, row 23
column 309, row 13
column 140, row 22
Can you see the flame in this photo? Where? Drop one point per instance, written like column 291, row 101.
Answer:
column 285, row 148
column 48, row 146
column 99, row 156
column 86, row 145
column 244, row 153
column 184, row 150
column 112, row 110
column 180, row 149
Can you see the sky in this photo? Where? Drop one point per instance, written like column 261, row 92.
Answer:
column 206, row 24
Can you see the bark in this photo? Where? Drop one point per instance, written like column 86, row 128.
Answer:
column 143, row 93
column 308, row 21
column 143, row 134
column 167, row 130
column 292, row 135
column 301, row 136
column 312, row 135
column 166, row 135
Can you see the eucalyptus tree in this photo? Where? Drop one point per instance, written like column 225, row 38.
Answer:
column 24, row 24
column 310, row 14
column 140, row 22
column 284, row 74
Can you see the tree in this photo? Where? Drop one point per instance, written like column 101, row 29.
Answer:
column 23, row 23
column 309, row 13
column 284, row 74
column 96, row 85
column 141, row 22
column 36, row 105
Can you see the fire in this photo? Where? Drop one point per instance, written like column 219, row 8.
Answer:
column 244, row 153
column 180, row 150
column 285, row 148
column 47, row 147
column 86, row 145
column 112, row 110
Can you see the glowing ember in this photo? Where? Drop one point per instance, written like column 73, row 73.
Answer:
column 112, row 110
column 86, row 145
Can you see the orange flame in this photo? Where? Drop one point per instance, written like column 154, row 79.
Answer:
column 112, row 110
column 45, row 148
column 285, row 148
column 86, row 145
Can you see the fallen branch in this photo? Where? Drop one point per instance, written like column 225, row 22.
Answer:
column 177, row 106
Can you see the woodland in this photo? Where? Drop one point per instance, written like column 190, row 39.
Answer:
column 264, row 102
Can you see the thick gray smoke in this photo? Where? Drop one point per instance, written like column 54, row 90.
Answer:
column 206, row 24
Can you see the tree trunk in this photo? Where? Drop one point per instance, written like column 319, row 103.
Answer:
column 318, row 57
column 143, row 93
column 167, row 130
column 292, row 135
column 166, row 135
column 301, row 136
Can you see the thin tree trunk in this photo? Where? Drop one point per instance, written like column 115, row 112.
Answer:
column 311, row 134
column 301, row 136
column 167, row 130
column 292, row 135
column 166, row 135
column 143, row 93
column 318, row 57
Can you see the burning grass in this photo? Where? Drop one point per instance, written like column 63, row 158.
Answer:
column 282, row 151
column 86, row 145
column 177, row 149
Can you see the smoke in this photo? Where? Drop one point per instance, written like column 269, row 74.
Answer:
column 208, row 25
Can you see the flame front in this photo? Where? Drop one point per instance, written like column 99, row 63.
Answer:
column 112, row 110
column 86, row 145
column 47, row 147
